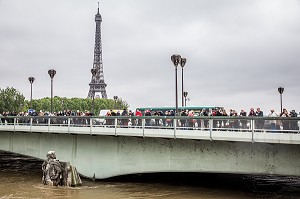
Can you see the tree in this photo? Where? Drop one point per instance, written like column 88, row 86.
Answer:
column 11, row 100
column 73, row 104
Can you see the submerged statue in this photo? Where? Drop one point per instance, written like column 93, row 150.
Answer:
column 59, row 173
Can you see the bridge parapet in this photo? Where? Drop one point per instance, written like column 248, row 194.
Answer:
column 242, row 129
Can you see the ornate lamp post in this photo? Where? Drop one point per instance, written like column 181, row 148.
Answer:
column 176, row 59
column 185, row 95
column 115, row 98
column 182, row 63
column 94, row 73
column 280, row 90
column 51, row 73
column 31, row 80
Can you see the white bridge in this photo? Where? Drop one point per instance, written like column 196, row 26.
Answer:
column 212, row 145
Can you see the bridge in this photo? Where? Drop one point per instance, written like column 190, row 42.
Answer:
column 158, row 144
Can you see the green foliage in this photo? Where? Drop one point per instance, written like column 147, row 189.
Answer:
column 81, row 104
column 11, row 100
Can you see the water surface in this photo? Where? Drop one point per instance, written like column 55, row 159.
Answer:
column 20, row 177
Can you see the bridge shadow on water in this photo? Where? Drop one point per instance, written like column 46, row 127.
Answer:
column 258, row 185
column 18, row 163
column 261, row 186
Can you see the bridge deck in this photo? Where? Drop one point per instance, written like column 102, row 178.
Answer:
column 116, row 128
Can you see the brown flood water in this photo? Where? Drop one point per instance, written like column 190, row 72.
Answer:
column 20, row 177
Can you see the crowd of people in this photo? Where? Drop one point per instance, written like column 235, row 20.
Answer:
column 189, row 119
column 41, row 117
column 164, row 118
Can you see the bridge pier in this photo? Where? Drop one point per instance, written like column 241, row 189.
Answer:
column 103, row 156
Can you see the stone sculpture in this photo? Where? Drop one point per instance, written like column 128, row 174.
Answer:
column 56, row 173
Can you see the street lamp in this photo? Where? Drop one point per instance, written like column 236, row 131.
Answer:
column 21, row 106
column 94, row 72
column 63, row 104
column 280, row 90
column 182, row 63
column 31, row 80
column 115, row 98
column 176, row 59
column 51, row 73
column 185, row 95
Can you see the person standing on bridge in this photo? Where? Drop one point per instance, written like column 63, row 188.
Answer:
column 252, row 112
column 285, row 123
column 205, row 121
column 169, row 121
column 108, row 121
column 124, row 121
column 272, row 122
column 294, row 123
column 183, row 121
column 191, row 120
column 243, row 113
column 260, row 122
column 131, row 122
column 138, row 113
column 224, row 122
column 113, row 114
column 148, row 121
column 3, row 118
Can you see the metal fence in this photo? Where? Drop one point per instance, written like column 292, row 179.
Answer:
column 210, row 123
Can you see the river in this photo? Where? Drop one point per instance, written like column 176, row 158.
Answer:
column 20, row 178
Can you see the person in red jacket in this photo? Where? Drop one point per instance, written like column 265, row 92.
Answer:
column 138, row 113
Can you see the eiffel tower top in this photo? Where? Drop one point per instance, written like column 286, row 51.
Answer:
column 98, row 16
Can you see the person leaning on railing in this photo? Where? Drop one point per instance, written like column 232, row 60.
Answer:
column 285, row 123
column 294, row 123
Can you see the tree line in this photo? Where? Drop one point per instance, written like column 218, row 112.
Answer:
column 13, row 101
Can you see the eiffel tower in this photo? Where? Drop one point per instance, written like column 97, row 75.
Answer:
column 97, row 83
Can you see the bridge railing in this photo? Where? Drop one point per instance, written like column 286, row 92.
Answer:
column 244, row 129
column 209, row 123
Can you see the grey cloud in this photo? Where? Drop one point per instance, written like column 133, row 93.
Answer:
column 238, row 52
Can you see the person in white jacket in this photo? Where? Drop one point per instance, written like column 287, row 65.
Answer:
column 273, row 122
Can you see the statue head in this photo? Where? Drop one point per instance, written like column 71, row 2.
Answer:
column 51, row 154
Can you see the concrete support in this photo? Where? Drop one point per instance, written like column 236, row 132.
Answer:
column 103, row 156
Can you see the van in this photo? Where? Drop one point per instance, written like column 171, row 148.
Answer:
column 101, row 121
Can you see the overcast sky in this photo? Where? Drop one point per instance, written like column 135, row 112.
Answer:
column 238, row 52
